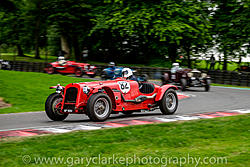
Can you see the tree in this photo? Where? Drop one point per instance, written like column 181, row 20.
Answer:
column 11, row 25
column 231, row 28
column 161, row 24
column 71, row 20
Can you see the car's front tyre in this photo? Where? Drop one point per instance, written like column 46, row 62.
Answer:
column 169, row 102
column 99, row 107
column 51, row 107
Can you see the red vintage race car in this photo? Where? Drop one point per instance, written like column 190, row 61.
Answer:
column 99, row 99
column 71, row 67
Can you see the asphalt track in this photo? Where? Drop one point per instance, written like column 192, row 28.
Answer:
column 218, row 99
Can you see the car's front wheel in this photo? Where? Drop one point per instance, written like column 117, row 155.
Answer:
column 78, row 72
column 52, row 107
column 99, row 107
column 169, row 102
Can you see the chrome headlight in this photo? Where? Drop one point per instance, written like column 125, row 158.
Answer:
column 190, row 74
column 59, row 88
column 86, row 89
column 203, row 75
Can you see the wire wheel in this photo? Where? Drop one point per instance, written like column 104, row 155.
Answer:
column 101, row 107
column 56, row 108
column 170, row 101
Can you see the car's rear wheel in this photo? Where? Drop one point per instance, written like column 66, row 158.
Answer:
column 169, row 102
column 207, row 86
column 104, row 75
column 52, row 109
column 99, row 107
column 50, row 70
column 78, row 72
column 92, row 75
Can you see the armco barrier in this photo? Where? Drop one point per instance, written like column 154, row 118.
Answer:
column 221, row 77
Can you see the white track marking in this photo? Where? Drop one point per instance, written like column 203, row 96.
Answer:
column 165, row 119
column 187, row 118
column 243, row 111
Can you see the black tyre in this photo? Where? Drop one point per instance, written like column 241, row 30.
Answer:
column 99, row 107
column 144, row 77
column 104, row 75
column 50, row 109
column 183, row 84
column 164, row 79
column 92, row 75
column 207, row 86
column 78, row 72
column 50, row 69
column 169, row 102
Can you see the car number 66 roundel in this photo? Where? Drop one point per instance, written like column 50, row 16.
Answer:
column 124, row 86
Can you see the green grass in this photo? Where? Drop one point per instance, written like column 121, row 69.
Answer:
column 231, row 65
column 27, row 57
column 156, row 62
column 27, row 91
column 226, row 137
column 215, row 84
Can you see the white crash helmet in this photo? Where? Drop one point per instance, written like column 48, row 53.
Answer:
column 127, row 73
column 111, row 64
column 175, row 65
column 60, row 58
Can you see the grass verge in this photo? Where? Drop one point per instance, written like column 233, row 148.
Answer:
column 224, row 85
column 27, row 91
column 156, row 62
column 226, row 137
column 27, row 57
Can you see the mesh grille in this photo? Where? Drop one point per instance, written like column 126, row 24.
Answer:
column 147, row 88
column 71, row 95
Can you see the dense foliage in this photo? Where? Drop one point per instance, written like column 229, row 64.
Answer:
column 128, row 30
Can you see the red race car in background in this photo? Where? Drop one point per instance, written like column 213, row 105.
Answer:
column 99, row 99
column 71, row 67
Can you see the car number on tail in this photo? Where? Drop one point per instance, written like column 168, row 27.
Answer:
column 124, row 86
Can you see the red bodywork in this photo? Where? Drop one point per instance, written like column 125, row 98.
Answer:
column 70, row 67
column 123, row 94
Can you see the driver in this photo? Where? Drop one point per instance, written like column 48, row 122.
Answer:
column 128, row 74
column 175, row 67
column 61, row 60
column 112, row 65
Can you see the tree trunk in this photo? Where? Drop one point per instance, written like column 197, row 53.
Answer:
column 37, row 33
column 19, row 50
column 225, row 61
column 172, row 52
column 65, row 46
column 188, row 56
column 240, row 59
column 77, row 53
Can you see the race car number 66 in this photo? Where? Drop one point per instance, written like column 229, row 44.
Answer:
column 124, row 86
